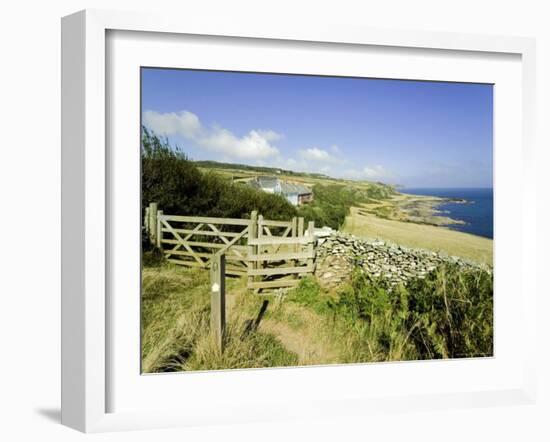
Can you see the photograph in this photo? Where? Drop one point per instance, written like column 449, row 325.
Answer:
column 293, row 220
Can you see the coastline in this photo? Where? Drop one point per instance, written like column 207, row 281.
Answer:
column 423, row 209
column 414, row 221
column 419, row 209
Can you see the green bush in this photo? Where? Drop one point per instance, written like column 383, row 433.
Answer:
column 449, row 314
column 180, row 188
column 332, row 202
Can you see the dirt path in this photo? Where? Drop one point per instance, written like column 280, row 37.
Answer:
column 307, row 338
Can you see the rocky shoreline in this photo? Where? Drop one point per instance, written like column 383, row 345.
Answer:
column 424, row 210
column 338, row 254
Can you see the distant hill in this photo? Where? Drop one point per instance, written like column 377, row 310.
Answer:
column 259, row 169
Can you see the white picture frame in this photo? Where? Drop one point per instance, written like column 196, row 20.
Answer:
column 86, row 316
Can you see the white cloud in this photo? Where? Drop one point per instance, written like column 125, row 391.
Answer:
column 319, row 155
column 335, row 148
column 371, row 173
column 256, row 144
column 315, row 154
column 183, row 123
column 375, row 172
column 352, row 174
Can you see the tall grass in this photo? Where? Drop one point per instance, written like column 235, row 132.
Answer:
column 449, row 314
column 175, row 326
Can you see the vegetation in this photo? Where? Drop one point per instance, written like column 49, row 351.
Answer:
column 332, row 202
column 179, row 187
column 175, row 326
column 259, row 169
column 449, row 314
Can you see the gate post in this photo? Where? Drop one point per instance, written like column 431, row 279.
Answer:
column 146, row 220
column 159, row 229
column 252, row 234
column 310, row 245
column 217, row 299
column 153, row 208
column 296, row 247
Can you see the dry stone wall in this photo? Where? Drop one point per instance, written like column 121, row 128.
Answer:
column 338, row 254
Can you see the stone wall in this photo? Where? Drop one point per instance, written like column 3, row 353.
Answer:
column 338, row 254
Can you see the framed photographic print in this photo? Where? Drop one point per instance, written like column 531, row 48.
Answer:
column 322, row 216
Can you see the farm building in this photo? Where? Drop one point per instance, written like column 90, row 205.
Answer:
column 296, row 194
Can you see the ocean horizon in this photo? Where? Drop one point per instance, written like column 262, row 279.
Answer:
column 477, row 213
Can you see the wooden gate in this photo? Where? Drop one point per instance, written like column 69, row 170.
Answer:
column 272, row 254
column 279, row 253
column 192, row 241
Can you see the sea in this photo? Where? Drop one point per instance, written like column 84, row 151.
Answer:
column 477, row 213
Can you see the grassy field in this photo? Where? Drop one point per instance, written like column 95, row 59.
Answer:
column 425, row 236
column 448, row 314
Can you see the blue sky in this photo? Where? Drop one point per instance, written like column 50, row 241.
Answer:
column 412, row 133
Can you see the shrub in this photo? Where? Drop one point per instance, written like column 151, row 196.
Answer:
column 332, row 202
column 449, row 314
column 179, row 187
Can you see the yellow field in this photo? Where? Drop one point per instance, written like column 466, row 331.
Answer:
column 420, row 236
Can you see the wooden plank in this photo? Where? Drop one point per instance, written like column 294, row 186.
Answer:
column 205, row 233
column 273, row 284
column 158, row 228
column 186, row 263
column 229, row 255
column 311, row 233
column 235, row 272
column 281, row 271
column 252, row 249
column 234, row 240
column 207, row 220
column 272, row 240
column 294, row 235
column 281, row 256
column 230, row 270
column 270, row 223
column 210, row 245
column 276, row 248
column 181, row 242
column 260, row 226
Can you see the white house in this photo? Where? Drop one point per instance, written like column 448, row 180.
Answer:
column 295, row 193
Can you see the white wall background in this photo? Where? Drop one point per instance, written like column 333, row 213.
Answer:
column 29, row 241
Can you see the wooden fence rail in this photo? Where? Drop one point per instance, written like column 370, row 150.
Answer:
column 271, row 254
